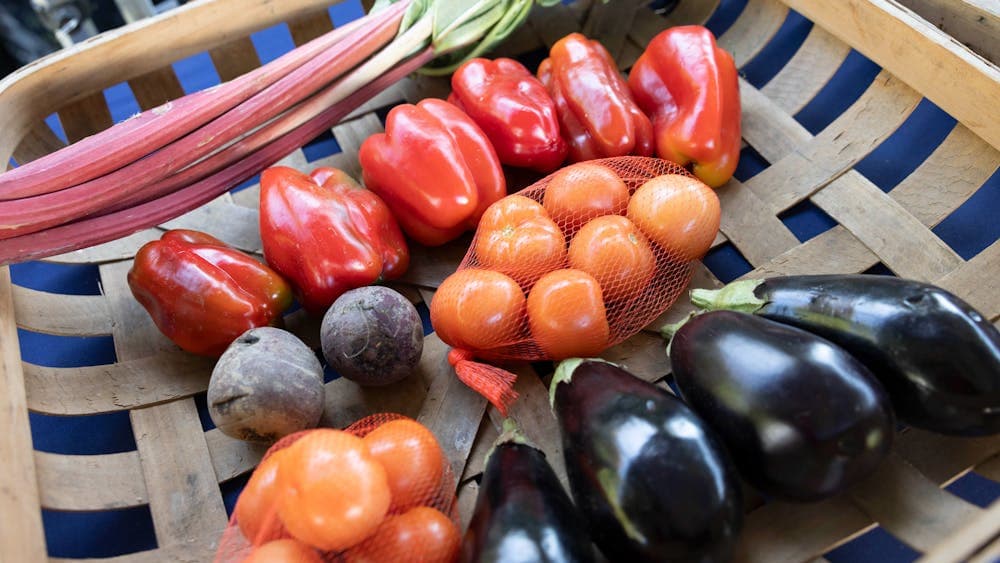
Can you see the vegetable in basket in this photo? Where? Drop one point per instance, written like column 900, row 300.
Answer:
column 802, row 418
column 689, row 87
column 171, row 159
column 434, row 168
column 266, row 385
column 519, row 295
column 522, row 513
column 938, row 358
column 372, row 336
column 599, row 118
column 203, row 294
column 651, row 478
column 326, row 234
column 514, row 110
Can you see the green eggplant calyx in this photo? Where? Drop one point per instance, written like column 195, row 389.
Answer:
column 510, row 432
column 564, row 373
column 736, row 296
column 670, row 329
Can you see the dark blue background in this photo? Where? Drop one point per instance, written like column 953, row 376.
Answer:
column 969, row 230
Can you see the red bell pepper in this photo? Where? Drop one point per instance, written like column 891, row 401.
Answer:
column 434, row 168
column 326, row 234
column 690, row 88
column 514, row 109
column 203, row 294
column 598, row 115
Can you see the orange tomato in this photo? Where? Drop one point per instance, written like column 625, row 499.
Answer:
column 567, row 316
column 284, row 551
column 257, row 507
column 412, row 458
column 478, row 309
column 421, row 535
column 616, row 253
column 580, row 192
column 678, row 213
column 335, row 494
column 516, row 237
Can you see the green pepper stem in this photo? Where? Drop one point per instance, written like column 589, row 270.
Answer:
column 736, row 296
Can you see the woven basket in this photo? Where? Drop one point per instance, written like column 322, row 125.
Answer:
column 178, row 467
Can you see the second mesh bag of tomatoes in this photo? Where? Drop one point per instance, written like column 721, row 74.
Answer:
column 571, row 265
column 379, row 490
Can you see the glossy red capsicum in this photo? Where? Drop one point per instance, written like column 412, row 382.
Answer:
column 689, row 86
column 203, row 294
column 326, row 234
column 598, row 115
column 435, row 169
column 514, row 109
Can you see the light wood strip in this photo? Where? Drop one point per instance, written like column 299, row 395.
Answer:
column 112, row 251
column 610, row 23
column 772, row 132
column 350, row 135
column 976, row 23
column 236, row 225
column 21, row 534
column 123, row 385
column 976, row 281
column 57, row 313
column 962, row 83
column 451, row 410
column 945, row 458
column 950, row 175
column 975, row 542
column 899, row 239
column 487, row 435
column 430, row 266
column 858, row 131
column 909, row 506
column 39, row 141
column 758, row 23
column 195, row 551
column 309, row 27
column 751, row 225
column 644, row 355
column 235, row 58
column 946, row 179
column 156, row 88
column 90, row 482
column 807, row 72
column 85, row 117
column 184, row 497
column 181, row 484
column 990, row 468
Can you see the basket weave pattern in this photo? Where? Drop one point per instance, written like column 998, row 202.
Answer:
column 177, row 467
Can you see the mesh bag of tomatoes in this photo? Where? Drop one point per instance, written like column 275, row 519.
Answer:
column 571, row 265
column 379, row 490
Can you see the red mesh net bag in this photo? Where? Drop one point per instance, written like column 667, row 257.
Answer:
column 571, row 265
column 379, row 490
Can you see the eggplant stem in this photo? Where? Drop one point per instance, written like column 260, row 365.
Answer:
column 735, row 296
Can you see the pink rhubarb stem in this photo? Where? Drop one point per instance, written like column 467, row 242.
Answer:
column 112, row 148
column 104, row 228
column 39, row 212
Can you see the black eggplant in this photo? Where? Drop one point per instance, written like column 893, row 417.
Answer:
column 522, row 513
column 801, row 417
column 938, row 358
column 652, row 480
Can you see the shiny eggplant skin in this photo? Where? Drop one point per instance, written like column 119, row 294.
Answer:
column 522, row 513
column 938, row 358
column 801, row 417
column 652, row 480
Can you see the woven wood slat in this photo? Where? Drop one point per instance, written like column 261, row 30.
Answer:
column 758, row 23
column 807, row 72
column 123, row 385
column 156, row 88
column 112, row 251
column 90, row 482
column 85, row 117
column 233, row 224
column 55, row 313
column 235, row 58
